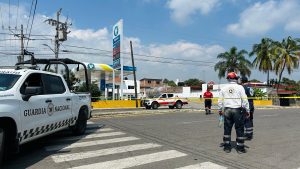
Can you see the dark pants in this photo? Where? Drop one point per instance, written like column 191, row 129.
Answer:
column 207, row 104
column 234, row 116
column 249, row 124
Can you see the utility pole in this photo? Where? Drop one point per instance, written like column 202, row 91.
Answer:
column 61, row 33
column 57, row 39
column 21, row 57
column 134, row 77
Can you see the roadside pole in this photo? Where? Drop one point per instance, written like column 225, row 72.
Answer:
column 134, row 77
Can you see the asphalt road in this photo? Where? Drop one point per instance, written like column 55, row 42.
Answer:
column 167, row 140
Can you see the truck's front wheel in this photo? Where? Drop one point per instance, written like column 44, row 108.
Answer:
column 81, row 123
column 154, row 105
column 2, row 142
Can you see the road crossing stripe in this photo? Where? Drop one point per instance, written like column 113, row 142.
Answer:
column 97, row 130
column 89, row 143
column 90, row 122
column 102, row 152
column 96, row 135
column 205, row 165
column 135, row 161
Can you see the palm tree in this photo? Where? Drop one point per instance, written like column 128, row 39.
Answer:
column 264, row 58
column 287, row 56
column 233, row 61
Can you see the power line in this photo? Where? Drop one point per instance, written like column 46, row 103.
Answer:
column 127, row 53
column 17, row 15
column 9, row 14
column 29, row 15
column 2, row 33
column 140, row 59
column 1, row 18
column 31, row 22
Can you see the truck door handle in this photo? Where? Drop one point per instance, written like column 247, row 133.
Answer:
column 48, row 101
column 68, row 99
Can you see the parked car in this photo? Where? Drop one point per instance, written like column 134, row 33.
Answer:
column 166, row 99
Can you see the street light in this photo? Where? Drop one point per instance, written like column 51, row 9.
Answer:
column 49, row 47
column 56, row 68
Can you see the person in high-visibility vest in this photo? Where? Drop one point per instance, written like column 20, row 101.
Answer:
column 232, row 100
column 248, row 121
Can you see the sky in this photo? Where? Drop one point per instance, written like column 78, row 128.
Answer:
column 173, row 39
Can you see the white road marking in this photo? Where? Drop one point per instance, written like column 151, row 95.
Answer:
column 135, row 161
column 270, row 115
column 205, row 165
column 199, row 121
column 103, row 152
column 88, row 143
column 98, row 130
column 96, row 135
column 90, row 122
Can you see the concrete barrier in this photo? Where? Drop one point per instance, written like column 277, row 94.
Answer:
column 115, row 104
column 215, row 101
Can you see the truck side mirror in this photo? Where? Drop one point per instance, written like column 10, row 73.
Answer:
column 31, row 91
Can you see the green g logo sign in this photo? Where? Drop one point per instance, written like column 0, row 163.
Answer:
column 116, row 31
column 91, row 66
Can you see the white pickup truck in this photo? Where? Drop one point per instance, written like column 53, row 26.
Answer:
column 36, row 103
column 166, row 99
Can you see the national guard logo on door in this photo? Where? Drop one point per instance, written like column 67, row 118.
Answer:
column 50, row 109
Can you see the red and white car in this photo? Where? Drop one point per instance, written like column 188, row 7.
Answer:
column 165, row 99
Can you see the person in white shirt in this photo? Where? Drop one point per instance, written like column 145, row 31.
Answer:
column 232, row 99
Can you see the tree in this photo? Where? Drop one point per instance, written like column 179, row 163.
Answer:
column 233, row 61
column 259, row 93
column 193, row 82
column 264, row 57
column 287, row 56
column 94, row 89
column 169, row 82
column 254, row 80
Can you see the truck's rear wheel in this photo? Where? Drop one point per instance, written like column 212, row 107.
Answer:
column 178, row 105
column 81, row 123
column 154, row 105
column 2, row 142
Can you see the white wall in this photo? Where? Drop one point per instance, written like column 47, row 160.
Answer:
column 127, row 91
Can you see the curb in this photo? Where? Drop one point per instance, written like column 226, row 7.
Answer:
column 119, row 111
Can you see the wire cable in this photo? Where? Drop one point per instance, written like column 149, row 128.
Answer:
column 29, row 15
column 32, row 22
column 1, row 18
column 152, row 56
column 17, row 15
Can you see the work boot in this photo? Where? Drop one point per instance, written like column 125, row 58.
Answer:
column 227, row 148
column 248, row 137
column 240, row 149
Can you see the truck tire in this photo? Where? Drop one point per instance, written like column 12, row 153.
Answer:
column 154, row 105
column 81, row 123
column 148, row 107
column 178, row 105
column 2, row 142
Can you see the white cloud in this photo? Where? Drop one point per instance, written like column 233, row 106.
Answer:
column 150, row 59
column 89, row 34
column 182, row 10
column 263, row 17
